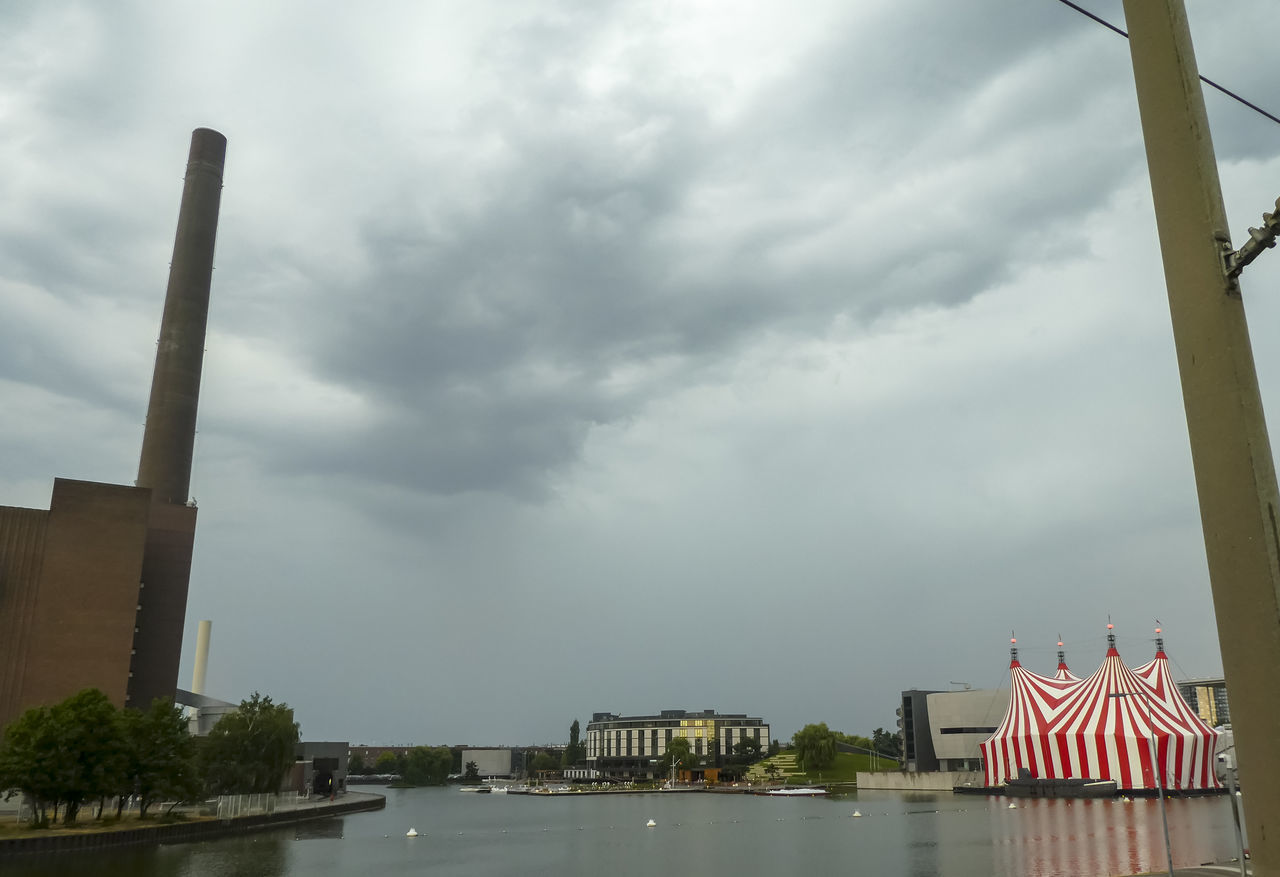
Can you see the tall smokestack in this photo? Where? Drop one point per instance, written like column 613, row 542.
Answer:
column 202, row 657
column 167, row 443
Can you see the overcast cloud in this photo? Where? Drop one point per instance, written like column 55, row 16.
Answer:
column 567, row 356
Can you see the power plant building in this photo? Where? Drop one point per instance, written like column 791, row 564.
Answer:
column 93, row 592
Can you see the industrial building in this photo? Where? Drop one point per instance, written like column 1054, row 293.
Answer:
column 93, row 592
column 630, row 746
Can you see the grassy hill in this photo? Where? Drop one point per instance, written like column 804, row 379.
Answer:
column 844, row 770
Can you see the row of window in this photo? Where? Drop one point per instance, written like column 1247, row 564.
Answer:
column 619, row 743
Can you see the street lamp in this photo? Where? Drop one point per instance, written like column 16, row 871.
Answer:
column 1155, row 763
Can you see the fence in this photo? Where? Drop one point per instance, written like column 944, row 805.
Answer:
column 231, row 806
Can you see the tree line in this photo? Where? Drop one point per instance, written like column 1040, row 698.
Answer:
column 86, row 750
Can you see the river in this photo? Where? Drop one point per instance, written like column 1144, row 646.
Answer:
column 909, row 834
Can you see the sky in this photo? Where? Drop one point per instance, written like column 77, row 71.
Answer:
column 572, row 357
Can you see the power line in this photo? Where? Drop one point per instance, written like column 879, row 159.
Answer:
column 1206, row 80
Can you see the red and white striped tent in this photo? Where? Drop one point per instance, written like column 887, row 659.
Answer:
column 1104, row 727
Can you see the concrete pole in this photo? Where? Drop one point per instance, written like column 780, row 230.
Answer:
column 1230, row 451
column 167, row 442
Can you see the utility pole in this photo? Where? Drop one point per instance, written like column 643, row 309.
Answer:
column 1230, row 451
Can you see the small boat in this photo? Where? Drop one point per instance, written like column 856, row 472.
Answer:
column 413, row 832
column 479, row 790
column 650, row 824
column 791, row 793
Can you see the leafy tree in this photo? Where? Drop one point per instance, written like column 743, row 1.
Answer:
column 774, row 747
column 249, row 750
column 886, row 743
column 427, row 765
column 65, row 755
column 159, row 756
column 772, row 770
column 543, row 761
column 815, row 746
column 30, row 760
column 355, row 765
column 472, row 773
column 576, row 751
column 678, row 751
column 747, row 748
column 388, row 763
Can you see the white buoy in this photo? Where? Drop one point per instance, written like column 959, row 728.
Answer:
column 1013, row 806
column 857, row 814
column 413, row 832
column 650, row 824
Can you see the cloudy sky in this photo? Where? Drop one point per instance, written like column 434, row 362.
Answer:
column 580, row 356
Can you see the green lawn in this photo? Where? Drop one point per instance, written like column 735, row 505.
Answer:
column 844, row 770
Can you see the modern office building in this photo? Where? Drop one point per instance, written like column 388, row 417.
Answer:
column 630, row 747
column 1208, row 697
column 942, row 730
column 93, row 592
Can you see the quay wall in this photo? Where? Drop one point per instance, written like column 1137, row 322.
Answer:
column 184, row 832
column 930, row 781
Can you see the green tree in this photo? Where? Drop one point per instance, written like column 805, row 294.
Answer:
column 160, row 756
column 678, row 751
column 471, row 774
column 774, row 747
column 886, row 743
column 815, row 746
column 576, row 751
column 249, row 750
column 543, row 761
column 355, row 765
column 427, row 765
column 30, row 761
column 387, row 763
column 747, row 748
column 65, row 755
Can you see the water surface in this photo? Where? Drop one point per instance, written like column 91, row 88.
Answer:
column 912, row 834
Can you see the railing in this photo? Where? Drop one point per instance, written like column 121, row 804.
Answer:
column 231, row 806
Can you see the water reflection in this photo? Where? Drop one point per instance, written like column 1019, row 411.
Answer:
column 921, row 835
column 1041, row 838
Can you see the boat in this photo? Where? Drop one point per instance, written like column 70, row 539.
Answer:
column 794, row 793
column 479, row 790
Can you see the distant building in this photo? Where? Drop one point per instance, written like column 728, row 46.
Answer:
column 942, row 730
column 489, row 762
column 1208, row 697
column 629, row 747
column 320, row 767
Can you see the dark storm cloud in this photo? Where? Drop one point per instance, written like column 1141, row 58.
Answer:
column 618, row 230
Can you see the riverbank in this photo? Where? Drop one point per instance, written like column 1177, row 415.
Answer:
column 193, row 828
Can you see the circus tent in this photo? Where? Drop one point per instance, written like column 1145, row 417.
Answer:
column 1104, row 727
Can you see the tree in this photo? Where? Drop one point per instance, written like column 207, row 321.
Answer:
column 356, row 766
column 774, row 747
column 249, row 750
column 576, row 751
column 679, row 752
column 427, row 765
column 747, row 748
column 387, row 763
column 543, row 761
column 65, row 755
column 815, row 746
column 30, row 762
column 886, row 743
column 471, row 774
column 159, row 756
